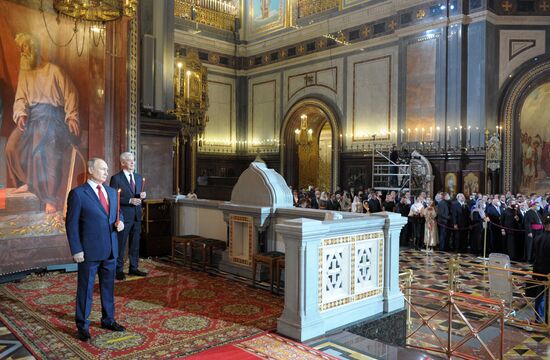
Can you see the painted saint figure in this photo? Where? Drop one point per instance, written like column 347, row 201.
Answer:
column 46, row 114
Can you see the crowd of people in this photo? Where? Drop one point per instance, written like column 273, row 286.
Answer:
column 478, row 224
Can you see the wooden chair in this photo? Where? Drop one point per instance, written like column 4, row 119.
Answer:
column 184, row 240
column 269, row 259
column 279, row 266
column 206, row 247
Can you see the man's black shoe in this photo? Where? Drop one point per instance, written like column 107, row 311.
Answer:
column 137, row 272
column 120, row 276
column 83, row 335
column 114, row 326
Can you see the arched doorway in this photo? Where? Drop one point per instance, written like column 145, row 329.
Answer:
column 310, row 147
column 523, row 114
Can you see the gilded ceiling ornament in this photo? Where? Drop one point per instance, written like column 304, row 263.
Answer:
column 507, row 5
column 420, row 14
column 366, row 31
column 214, row 58
column 321, row 43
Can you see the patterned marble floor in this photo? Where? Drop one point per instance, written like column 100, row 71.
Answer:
column 430, row 270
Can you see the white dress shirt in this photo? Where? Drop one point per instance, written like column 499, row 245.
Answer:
column 93, row 184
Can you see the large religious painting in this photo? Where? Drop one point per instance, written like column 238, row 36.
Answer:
column 535, row 141
column 266, row 16
column 48, row 94
column 420, row 102
column 470, row 182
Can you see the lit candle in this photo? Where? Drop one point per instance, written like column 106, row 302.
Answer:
column 460, row 135
column 469, row 136
column 449, row 131
column 402, row 132
column 143, row 185
column 415, row 134
column 309, row 135
column 408, row 135
column 118, row 207
column 178, row 85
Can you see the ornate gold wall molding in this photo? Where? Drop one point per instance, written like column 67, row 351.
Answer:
column 510, row 112
column 133, row 74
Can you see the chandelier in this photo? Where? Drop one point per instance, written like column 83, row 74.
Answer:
column 96, row 11
column 92, row 15
column 190, row 94
column 303, row 135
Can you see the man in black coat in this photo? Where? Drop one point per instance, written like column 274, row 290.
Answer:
column 542, row 266
column 511, row 220
column 532, row 224
column 460, row 219
column 443, row 216
column 130, row 184
column 494, row 212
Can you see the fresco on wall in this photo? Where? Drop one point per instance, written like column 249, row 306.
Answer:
column 535, row 141
column 420, row 89
column 47, row 94
column 266, row 16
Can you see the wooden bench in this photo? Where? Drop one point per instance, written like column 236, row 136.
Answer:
column 269, row 259
column 184, row 240
column 206, row 247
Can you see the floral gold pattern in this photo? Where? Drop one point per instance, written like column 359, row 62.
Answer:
column 241, row 309
column 118, row 340
column 55, row 299
column 187, row 323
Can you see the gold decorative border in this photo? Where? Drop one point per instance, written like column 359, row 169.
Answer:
column 511, row 102
column 274, row 111
column 388, row 122
column 133, row 74
column 247, row 220
column 315, row 84
column 352, row 240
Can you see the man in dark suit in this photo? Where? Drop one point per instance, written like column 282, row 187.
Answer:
column 460, row 219
column 91, row 226
column 131, row 195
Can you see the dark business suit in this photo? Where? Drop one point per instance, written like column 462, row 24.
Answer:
column 91, row 230
column 460, row 216
column 132, row 219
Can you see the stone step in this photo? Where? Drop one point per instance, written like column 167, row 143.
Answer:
column 25, row 202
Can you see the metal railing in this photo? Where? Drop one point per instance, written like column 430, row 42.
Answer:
column 428, row 334
column 432, row 307
column 526, row 287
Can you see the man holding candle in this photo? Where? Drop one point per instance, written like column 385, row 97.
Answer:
column 131, row 186
column 91, row 227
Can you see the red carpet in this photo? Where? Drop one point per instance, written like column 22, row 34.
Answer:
column 173, row 312
column 263, row 346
